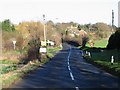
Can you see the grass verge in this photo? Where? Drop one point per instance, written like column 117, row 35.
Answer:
column 114, row 68
column 14, row 75
column 11, row 77
column 101, row 57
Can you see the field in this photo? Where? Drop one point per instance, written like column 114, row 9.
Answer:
column 99, row 43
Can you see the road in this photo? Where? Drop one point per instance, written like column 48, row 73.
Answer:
column 68, row 70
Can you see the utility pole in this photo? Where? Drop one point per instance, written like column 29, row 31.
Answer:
column 112, row 20
column 43, row 49
column 44, row 28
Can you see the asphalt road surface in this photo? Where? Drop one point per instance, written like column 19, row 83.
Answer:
column 68, row 70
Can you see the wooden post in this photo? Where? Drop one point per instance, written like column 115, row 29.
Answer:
column 89, row 54
column 112, row 60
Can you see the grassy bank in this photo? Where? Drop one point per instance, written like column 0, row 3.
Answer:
column 102, row 58
column 12, row 70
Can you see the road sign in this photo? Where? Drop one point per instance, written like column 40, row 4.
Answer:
column 14, row 42
column 43, row 50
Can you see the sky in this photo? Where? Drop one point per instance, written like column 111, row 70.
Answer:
column 80, row 11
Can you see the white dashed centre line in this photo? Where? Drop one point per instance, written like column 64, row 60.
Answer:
column 70, row 71
column 71, row 75
column 69, row 68
column 68, row 63
column 77, row 88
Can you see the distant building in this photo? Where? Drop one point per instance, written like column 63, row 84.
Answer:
column 119, row 14
column 82, row 33
column 73, row 31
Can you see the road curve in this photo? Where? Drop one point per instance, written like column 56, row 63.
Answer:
column 68, row 69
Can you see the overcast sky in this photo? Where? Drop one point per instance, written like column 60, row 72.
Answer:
column 81, row 11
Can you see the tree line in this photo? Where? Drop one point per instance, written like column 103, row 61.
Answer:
column 29, row 35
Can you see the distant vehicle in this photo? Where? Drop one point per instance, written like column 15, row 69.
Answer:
column 50, row 43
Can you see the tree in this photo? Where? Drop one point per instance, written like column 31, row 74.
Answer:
column 79, row 27
column 33, row 51
column 13, row 28
column 84, row 41
column 7, row 26
column 114, row 41
column 84, row 37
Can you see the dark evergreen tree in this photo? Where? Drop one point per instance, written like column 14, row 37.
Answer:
column 114, row 41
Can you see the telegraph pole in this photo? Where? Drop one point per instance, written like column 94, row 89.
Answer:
column 44, row 28
column 43, row 49
column 112, row 20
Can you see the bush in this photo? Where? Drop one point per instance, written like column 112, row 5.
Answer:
column 7, row 26
column 33, row 49
column 114, row 41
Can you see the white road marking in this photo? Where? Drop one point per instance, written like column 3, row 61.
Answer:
column 77, row 88
column 72, row 76
column 70, row 71
column 68, row 64
column 69, row 68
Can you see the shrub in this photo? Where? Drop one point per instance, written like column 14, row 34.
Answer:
column 7, row 26
column 114, row 41
column 33, row 49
